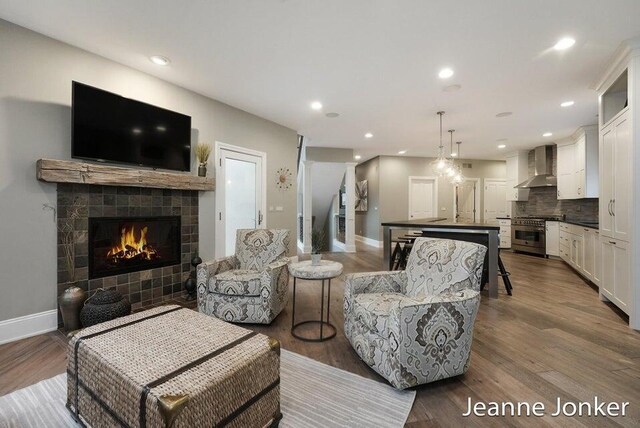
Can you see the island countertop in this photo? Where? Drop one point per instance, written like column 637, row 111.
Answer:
column 440, row 223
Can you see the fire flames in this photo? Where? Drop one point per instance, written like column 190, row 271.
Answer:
column 132, row 247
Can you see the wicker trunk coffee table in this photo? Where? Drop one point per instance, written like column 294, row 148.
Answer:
column 173, row 367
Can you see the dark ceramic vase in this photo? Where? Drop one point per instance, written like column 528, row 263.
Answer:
column 202, row 170
column 71, row 303
column 190, row 288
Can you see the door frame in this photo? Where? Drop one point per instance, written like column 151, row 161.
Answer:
column 476, row 205
column 435, row 192
column 220, row 203
column 508, row 202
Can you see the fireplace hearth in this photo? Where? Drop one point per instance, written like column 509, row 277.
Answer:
column 119, row 245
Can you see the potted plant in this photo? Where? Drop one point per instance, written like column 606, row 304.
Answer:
column 203, row 151
column 317, row 245
column 73, row 297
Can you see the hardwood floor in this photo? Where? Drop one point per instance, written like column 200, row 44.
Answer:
column 553, row 338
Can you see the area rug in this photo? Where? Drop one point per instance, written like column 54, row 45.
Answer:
column 312, row 395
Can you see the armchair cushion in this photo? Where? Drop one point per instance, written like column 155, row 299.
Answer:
column 379, row 312
column 239, row 282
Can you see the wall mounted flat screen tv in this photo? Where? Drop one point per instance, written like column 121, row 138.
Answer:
column 108, row 127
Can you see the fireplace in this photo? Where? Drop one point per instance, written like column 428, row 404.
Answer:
column 119, row 245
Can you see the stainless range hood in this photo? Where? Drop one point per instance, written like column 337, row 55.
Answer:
column 543, row 175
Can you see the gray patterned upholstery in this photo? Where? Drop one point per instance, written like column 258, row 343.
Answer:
column 250, row 286
column 416, row 326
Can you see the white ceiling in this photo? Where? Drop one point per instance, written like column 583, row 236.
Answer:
column 375, row 62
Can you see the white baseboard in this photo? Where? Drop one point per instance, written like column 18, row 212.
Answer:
column 369, row 241
column 338, row 245
column 28, row 325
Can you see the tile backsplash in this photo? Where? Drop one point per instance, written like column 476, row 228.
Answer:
column 543, row 201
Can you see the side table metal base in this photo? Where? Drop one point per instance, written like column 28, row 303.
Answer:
column 319, row 339
column 321, row 322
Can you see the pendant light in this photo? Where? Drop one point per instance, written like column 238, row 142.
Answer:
column 452, row 167
column 441, row 163
column 458, row 178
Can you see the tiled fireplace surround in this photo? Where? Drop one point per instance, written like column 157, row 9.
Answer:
column 143, row 288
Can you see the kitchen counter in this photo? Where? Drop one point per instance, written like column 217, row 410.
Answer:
column 591, row 225
column 481, row 233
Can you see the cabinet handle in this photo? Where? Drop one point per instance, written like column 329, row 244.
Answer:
column 612, row 242
column 609, row 207
column 613, row 207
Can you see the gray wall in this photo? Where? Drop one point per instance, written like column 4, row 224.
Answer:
column 328, row 154
column 368, row 222
column 35, row 122
column 393, row 175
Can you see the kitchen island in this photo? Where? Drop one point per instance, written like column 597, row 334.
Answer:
column 481, row 233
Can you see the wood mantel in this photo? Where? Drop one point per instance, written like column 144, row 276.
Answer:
column 66, row 171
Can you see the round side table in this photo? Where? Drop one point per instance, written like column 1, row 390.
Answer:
column 324, row 271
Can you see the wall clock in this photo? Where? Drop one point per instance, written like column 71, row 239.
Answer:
column 284, row 179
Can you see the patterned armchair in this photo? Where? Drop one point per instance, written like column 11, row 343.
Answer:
column 250, row 286
column 416, row 326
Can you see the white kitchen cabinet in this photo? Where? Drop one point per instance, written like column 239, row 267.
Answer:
column 565, row 171
column 577, row 165
column 517, row 172
column 597, row 267
column 589, row 253
column 505, row 232
column 615, row 282
column 579, row 247
column 615, row 173
column 552, row 238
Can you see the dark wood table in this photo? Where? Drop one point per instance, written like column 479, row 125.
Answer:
column 480, row 233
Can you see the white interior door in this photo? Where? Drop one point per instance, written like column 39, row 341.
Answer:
column 495, row 199
column 423, row 197
column 466, row 195
column 240, row 197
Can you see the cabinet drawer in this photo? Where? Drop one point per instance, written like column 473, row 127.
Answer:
column 504, row 222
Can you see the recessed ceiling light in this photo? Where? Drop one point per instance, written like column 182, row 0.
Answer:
column 445, row 73
column 502, row 146
column 504, row 114
column 401, row 152
column 332, row 115
column 316, row 105
column 567, row 104
column 357, row 157
column 159, row 60
column 547, row 134
column 453, row 155
column 452, row 88
column 564, row 43
column 368, row 135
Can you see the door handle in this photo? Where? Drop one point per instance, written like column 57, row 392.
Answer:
column 259, row 217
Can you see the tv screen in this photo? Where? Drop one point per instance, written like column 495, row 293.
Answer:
column 110, row 128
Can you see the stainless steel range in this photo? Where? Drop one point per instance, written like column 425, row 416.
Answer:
column 528, row 234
